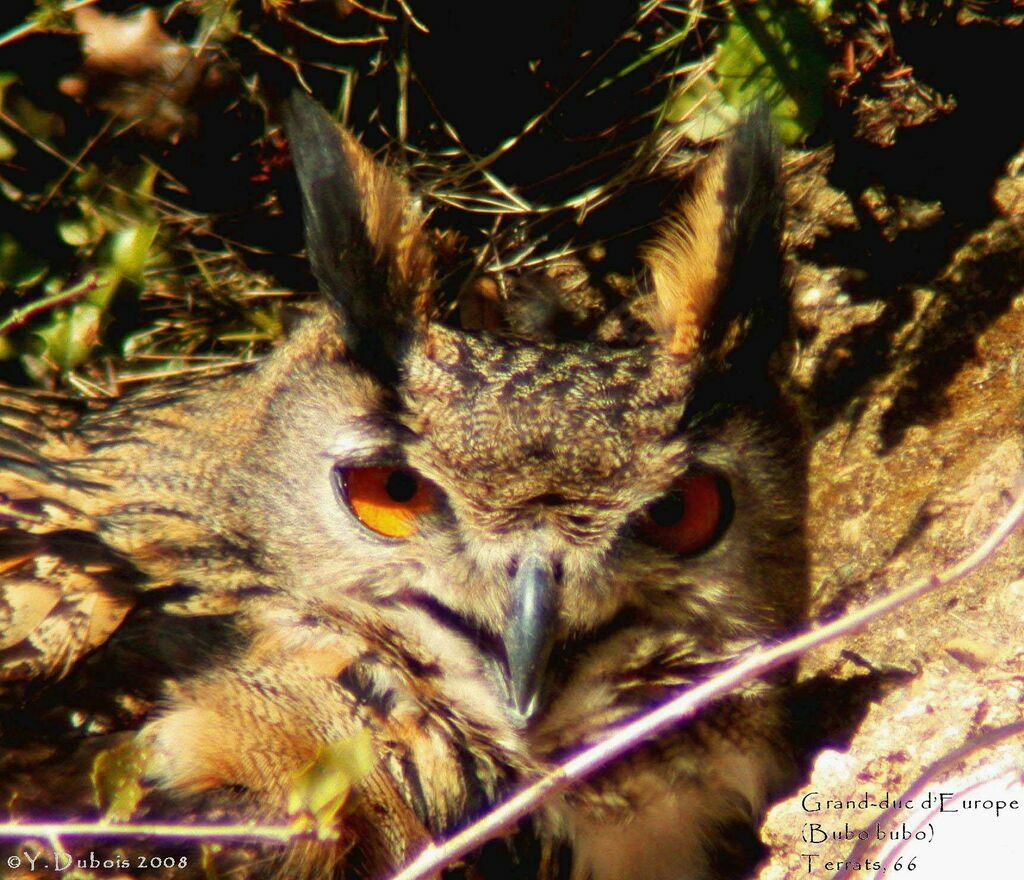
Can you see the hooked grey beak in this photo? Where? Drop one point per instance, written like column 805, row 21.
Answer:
column 530, row 630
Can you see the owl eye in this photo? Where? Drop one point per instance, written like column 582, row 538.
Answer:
column 387, row 500
column 691, row 516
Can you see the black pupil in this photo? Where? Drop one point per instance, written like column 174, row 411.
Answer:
column 669, row 510
column 401, row 486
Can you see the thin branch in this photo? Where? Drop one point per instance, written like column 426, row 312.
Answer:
column 436, row 856
column 244, row 831
column 333, row 39
column 413, row 20
column 373, row 13
column 23, row 315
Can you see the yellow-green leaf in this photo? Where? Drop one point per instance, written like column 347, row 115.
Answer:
column 129, row 249
column 19, row 268
column 771, row 51
column 78, row 232
column 321, row 789
column 105, row 284
column 116, row 780
column 7, row 149
column 70, row 335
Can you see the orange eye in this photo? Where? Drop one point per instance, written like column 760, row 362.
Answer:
column 690, row 516
column 387, row 500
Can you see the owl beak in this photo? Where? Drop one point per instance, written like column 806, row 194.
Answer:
column 530, row 631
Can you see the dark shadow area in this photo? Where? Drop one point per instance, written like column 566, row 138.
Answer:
column 129, row 670
column 825, row 713
column 554, row 77
column 953, row 160
column 490, row 71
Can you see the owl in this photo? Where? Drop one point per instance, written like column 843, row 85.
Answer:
column 475, row 550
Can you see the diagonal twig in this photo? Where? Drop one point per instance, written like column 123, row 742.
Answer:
column 20, row 317
column 436, row 856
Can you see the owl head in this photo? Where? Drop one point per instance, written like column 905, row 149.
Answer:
column 558, row 514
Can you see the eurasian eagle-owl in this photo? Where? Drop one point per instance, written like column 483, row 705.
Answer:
column 483, row 549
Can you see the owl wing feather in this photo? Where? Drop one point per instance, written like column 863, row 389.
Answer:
column 62, row 591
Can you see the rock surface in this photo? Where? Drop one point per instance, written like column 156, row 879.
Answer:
column 918, row 401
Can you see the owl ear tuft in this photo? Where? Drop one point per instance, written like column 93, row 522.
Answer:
column 714, row 265
column 365, row 238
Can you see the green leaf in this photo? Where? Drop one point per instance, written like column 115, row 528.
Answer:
column 771, row 51
column 78, row 232
column 43, row 124
column 19, row 268
column 321, row 789
column 69, row 337
column 7, row 149
column 130, row 248
column 219, row 21
column 105, row 284
column 116, row 781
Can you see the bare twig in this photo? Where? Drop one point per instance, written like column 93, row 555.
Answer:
column 373, row 13
column 413, row 20
column 21, row 316
column 335, row 40
column 436, row 856
column 244, row 831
